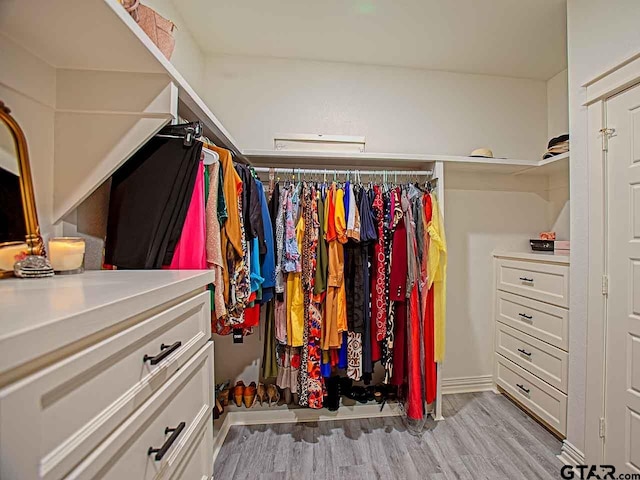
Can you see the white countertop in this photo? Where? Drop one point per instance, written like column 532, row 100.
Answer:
column 535, row 256
column 38, row 316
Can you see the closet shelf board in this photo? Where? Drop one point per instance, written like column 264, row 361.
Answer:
column 100, row 35
column 505, row 166
column 549, row 166
column 186, row 94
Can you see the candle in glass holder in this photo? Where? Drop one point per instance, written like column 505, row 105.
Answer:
column 66, row 254
column 10, row 253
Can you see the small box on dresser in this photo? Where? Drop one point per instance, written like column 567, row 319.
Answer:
column 531, row 312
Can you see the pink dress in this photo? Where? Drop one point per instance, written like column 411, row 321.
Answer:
column 191, row 252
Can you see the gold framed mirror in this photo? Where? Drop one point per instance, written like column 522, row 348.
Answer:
column 18, row 215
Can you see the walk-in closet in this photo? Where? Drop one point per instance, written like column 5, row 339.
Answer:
column 321, row 240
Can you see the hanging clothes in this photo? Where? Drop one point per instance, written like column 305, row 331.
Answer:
column 341, row 276
column 145, row 218
column 378, row 279
column 335, row 301
column 214, row 242
column 437, row 276
column 190, row 252
column 234, row 248
column 311, row 380
column 295, row 295
column 267, row 260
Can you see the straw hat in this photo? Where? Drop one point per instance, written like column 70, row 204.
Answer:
column 482, row 152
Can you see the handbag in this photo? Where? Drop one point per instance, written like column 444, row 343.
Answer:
column 157, row 28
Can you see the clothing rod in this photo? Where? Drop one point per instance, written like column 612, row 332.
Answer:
column 342, row 172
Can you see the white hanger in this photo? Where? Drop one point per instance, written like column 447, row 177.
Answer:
column 210, row 157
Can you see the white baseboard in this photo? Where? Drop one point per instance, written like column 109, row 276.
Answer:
column 481, row 383
column 219, row 435
column 570, row 455
column 283, row 414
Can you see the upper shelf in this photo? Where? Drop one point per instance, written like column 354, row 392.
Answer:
column 191, row 106
column 100, row 35
column 549, row 166
column 403, row 160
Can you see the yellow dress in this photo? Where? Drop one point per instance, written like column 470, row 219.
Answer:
column 295, row 297
column 437, row 276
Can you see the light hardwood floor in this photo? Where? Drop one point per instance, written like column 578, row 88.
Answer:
column 484, row 436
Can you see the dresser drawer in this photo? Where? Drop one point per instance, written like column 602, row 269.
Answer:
column 66, row 410
column 545, row 282
column 197, row 463
column 549, row 404
column 185, row 402
column 541, row 320
column 543, row 360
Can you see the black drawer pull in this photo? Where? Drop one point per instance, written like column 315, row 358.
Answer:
column 524, row 315
column 525, row 279
column 166, row 351
column 523, row 351
column 521, row 387
column 175, row 433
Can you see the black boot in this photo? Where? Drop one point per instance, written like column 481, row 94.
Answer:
column 346, row 384
column 333, row 393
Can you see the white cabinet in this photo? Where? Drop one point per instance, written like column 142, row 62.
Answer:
column 531, row 333
column 548, row 283
column 100, row 403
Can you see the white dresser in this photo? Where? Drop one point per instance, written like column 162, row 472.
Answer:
column 108, row 374
column 531, row 333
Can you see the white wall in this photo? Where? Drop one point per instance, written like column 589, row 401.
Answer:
column 598, row 39
column 397, row 109
column 28, row 88
column 483, row 213
column 558, row 105
column 187, row 56
column 558, row 124
column 559, row 206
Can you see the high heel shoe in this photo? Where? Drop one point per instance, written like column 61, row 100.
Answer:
column 223, row 396
column 238, row 392
column 261, row 393
column 218, row 410
column 272, row 394
column 249, row 395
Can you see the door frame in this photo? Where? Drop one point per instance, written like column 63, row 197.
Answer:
column 598, row 92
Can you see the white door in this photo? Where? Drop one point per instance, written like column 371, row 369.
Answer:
column 622, row 397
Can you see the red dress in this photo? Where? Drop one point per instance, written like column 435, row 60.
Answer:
column 398, row 294
column 428, row 309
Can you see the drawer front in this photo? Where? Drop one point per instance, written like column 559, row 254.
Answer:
column 198, row 460
column 541, row 320
column 540, row 281
column 72, row 406
column 543, row 360
column 542, row 399
column 184, row 402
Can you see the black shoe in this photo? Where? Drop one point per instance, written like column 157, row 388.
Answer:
column 345, row 385
column 359, row 394
column 333, row 393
